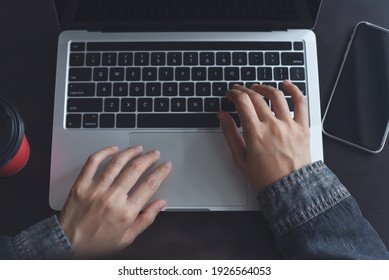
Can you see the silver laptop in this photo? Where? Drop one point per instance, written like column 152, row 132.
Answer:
column 154, row 73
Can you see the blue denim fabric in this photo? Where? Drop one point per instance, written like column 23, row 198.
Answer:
column 44, row 240
column 313, row 216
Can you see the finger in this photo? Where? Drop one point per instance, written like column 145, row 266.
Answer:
column 260, row 105
column 233, row 138
column 134, row 170
column 144, row 220
column 92, row 164
column 148, row 187
column 278, row 101
column 116, row 165
column 300, row 103
column 245, row 109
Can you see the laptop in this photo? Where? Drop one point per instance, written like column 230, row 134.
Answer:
column 155, row 72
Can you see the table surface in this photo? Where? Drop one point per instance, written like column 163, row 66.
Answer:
column 27, row 76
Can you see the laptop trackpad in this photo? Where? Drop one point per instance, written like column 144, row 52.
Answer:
column 203, row 174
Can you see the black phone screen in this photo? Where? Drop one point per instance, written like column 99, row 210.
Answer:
column 358, row 111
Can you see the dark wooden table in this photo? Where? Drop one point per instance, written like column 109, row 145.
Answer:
column 29, row 32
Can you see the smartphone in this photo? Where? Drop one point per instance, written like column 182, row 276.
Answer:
column 358, row 109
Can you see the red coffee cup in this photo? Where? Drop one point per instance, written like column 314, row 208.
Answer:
column 14, row 147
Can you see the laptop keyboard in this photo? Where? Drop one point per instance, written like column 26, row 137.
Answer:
column 171, row 85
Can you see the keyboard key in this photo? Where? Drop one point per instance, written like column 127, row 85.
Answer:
column 178, row 104
column 170, row 89
column 100, row 74
column 256, row 58
column 290, row 104
column 137, row 89
column 186, row 89
column 77, row 59
column 199, row 73
column 125, row 120
column 231, row 84
column 270, row 84
column 133, row 74
column 302, row 87
column 149, row 74
column 141, row 59
column 191, row 58
column 281, row 88
column 248, row 73
column 90, row 121
column 298, row 46
column 296, row 58
column 265, row 73
column 297, row 73
column 231, row 73
column 104, row 89
column 178, row 120
column 212, row 104
column 281, row 73
column 128, row 105
column 161, row 104
column 227, row 105
column 81, row 89
column 93, row 59
column 174, row 58
column 111, row 105
column 109, row 59
column 223, row 58
column 125, row 59
column 203, row 89
column 73, row 121
column 215, row 73
column 120, row 89
column 235, row 117
column 239, row 58
column 182, row 74
column 107, row 120
column 219, row 89
column 77, row 47
column 85, row 105
column 166, row 74
column 158, row 58
column 207, row 58
column 249, row 84
column 80, row 74
column 272, row 58
column 145, row 105
column 153, row 89
column 195, row 104
column 116, row 74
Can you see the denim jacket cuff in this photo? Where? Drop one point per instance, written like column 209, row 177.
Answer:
column 300, row 197
column 44, row 240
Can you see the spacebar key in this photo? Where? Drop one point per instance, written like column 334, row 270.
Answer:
column 178, row 121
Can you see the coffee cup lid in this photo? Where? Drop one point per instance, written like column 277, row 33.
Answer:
column 11, row 132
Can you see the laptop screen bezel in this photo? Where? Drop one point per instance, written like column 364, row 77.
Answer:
column 69, row 19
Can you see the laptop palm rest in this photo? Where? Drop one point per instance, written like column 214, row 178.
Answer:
column 200, row 157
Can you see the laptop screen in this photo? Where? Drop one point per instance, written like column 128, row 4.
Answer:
column 181, row 15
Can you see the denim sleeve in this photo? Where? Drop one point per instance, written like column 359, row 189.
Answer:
column 313, row 216
column 44, row 240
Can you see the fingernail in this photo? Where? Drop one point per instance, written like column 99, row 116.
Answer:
column 161, row 204
column 254, row 85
